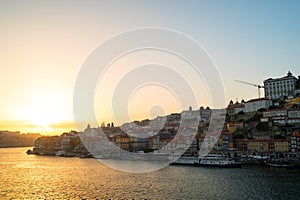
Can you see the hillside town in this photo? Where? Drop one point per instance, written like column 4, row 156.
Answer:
column 264, row 127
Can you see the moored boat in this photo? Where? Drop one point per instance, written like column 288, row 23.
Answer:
column 209, row 160
column 280, row 164
column 218, row 160
column 29, row 151
column 184, row 160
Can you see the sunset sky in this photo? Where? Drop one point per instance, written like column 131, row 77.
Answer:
column 43, row 45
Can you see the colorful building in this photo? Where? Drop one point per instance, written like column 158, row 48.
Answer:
column 263, row 145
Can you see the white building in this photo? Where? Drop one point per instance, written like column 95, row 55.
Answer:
column 280, row 87
column 293, row 116
column 278, row 116
column 282, row 116
column 255, row 104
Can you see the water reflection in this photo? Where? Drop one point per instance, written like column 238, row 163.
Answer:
column 32, row 177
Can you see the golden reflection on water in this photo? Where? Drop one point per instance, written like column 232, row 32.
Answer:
column 44, row 177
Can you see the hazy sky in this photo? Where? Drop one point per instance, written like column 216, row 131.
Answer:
column 43, row 45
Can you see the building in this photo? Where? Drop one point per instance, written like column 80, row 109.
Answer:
column 294, row 116
column 234, row 126
column 280, row 87
column 282, row 116
column 255, row 104
column 153, row 142
column 295, row 142
column 123, row 142
column 257, row 145
column 47, row 145
column 205, row 114
column 277, row 116
column 235, row 108
column 227, row 141
column 263, row 145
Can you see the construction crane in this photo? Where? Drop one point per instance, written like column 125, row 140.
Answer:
column 258, row 86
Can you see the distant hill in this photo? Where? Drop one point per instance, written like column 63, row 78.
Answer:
column 16, row 139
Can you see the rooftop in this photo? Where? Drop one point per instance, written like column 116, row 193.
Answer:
column 288, row 76
column 258, row 99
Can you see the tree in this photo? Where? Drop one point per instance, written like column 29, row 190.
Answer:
column 261, row 110
column 276, row 137
column 262, row 126
column 241, row 113
column 298, row 83
column 238, row 136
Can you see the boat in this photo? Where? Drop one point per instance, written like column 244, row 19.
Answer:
column 218, row 160
column 29, row 151
column 60, row 153
column 279, row 164
column 209, row 160
column 184, row 160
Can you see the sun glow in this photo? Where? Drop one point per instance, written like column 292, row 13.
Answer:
column 43, row 111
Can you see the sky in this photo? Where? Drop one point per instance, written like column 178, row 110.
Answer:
column 44, row 44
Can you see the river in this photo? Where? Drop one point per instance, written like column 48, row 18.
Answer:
column 25, row 176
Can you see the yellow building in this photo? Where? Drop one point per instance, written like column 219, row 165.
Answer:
column 123, row 142
column 263, row 145
column 257, row 145
column 281, row 145
column 233, row 126
column 134, row 142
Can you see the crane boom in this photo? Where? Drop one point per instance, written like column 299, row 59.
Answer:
column 258, row 86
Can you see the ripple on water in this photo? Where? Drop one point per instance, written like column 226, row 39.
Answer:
column 37, row 177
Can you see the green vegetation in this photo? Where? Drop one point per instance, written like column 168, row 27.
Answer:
column 262, row 126
column 298, row 83
column 279, row 137
column 262, row 110
column 241, row 113
column 241, row 133
column 238, row 136
column 255, row 118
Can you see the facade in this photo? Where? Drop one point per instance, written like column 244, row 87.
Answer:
column 205, row 114
column 153, row 142
column 281, row 145
column 282, row 116
column 293, row 116
column 263, row 145
column 295, row 142
column 47, row 144
column 123, row 142
column 235, row 108
column 277, row 116
column 280, row 87
column 257, row 145
column 227, row 141
column 255, row 104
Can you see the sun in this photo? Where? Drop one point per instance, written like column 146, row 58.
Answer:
column 41, row 120
column 42, row 116
column 43, row 112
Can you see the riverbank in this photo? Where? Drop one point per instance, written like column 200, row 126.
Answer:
column 28, row 146
column 259, row 161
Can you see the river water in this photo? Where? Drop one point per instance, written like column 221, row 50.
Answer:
column 25, row 176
